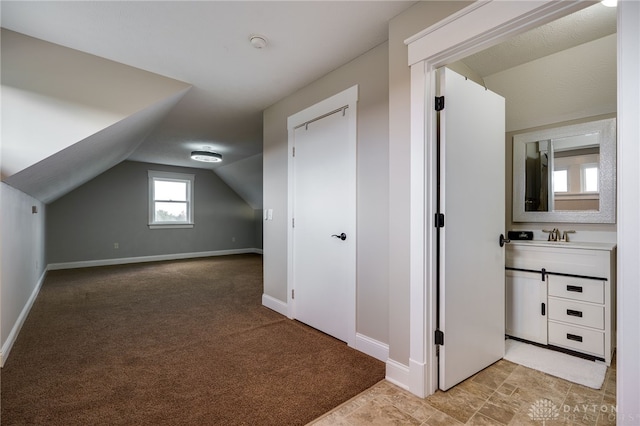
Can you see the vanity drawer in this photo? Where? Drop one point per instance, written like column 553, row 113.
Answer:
column 584, row 289
column 576, row 313
column 576, row 338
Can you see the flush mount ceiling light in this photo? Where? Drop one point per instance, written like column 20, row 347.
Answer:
column 610, row 3
column 206, row 156
column 258, row 41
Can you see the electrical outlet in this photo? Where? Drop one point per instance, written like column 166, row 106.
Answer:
column 116, row 245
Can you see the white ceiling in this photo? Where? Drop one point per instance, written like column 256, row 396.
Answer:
column 206, row 44
column 586, row 25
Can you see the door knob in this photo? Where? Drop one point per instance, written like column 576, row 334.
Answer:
column 342, row 236
column 503, row 240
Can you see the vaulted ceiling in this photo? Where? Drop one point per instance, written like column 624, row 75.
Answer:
column 86, row 85
column 89, row 84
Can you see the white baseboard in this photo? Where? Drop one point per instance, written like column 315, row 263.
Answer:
column 417, row 379
column 372, row 347
column 141, row 259
column 15, row 330
column 275, row 304
column 398, row 374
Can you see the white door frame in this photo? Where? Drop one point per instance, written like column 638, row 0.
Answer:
column 349, row 98
column 474, row 28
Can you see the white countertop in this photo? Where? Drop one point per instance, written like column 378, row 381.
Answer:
column 570, row 244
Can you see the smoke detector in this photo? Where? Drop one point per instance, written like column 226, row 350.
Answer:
column 258, row 41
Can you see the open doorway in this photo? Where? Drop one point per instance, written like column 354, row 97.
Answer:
column 561, row 73
column 476, row 27
column 553, row 76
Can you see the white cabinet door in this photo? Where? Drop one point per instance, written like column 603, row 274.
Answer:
column 526, row 306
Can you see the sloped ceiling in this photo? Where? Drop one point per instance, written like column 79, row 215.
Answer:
column 65, row 170
column 206, row 44
column 246, row 177
column 68, row 116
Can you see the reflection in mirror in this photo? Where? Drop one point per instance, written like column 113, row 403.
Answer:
column 562, row 174
column 537, row 177
column 576, row 162
column 565, row 174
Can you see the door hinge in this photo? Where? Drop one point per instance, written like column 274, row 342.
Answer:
column 439, row 103
column 439, row 220
column 293, row 151
column 293, row 222
column 439, row 337
column 293, row 294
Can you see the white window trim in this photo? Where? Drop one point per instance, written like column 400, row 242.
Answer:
column 181, row 177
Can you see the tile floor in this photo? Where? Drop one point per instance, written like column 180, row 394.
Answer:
column 502, row 394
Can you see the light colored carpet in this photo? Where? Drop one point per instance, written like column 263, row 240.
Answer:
column 558, row 364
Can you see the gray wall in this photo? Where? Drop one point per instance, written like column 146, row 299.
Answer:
column 84, row 224
column 258, row 218
column 370, row 72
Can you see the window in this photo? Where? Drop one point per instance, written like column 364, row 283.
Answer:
column 170, row 200
column 589, row 178
column 560, row 181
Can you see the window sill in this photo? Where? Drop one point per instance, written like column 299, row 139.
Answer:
column 171, row 226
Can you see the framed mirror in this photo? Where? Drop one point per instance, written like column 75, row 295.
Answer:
column 566, row 174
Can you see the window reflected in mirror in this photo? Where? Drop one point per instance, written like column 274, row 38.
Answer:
column 561, row 173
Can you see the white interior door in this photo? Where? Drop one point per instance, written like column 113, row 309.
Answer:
column 324, row 212
column 472, row 275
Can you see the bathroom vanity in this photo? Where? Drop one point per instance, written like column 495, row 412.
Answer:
column 562, row 295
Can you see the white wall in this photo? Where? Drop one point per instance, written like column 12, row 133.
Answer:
column 41, row 84
column 568, row 87
column 370, row 72
column 572, row 84
column 22, row 260
column 628, row 381
column 415, row 19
